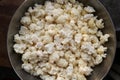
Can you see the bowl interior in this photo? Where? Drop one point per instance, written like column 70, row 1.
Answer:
column 99, row 71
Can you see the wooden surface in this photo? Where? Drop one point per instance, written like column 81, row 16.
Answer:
column 7, row 9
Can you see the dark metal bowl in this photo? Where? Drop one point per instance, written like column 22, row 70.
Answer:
column 99, row 71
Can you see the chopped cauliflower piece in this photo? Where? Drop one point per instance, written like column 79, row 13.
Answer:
column 27, row 67
column 26, row 20
column 62, row 63
column 89, row 9
column 54, row 57
column 50, row 48
column 78, row 38
column 19, row 48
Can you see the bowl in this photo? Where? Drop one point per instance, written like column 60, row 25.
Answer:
column 99, row 72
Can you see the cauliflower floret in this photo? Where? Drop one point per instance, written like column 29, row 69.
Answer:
column 49, row 6
column 57, row 12
column 65, row 41
column 85, row 56
column 39, row 71
column 91, row 23
column 46, row 39
column 66, row 32
column 26, row 56
column 87, row 47
column 32, row 27
column 81, row 77
column 86, row 37
column 78, row 38
column 39, row 13
column 101, row 49
column 62, row 18
column 60, row 1
column 40, row 24
column 74, row 77
column 54, row 70
column 62, row 63
column 75, row 12
column 69, row 70
column 26, row 20
column 50, row 48
column 81, row 62
column 89, row 9
column 88, row 16
column 49, row 19
column 19, row 48
column 84, row 30
column 85, row 70
column 98, row 60
column 72, row 1
column 47, row 77
column 104, row 38
column 94, row 39
column 60, row 78
column 54, row 57
column 24, row 30
column 99, row 33
column 17, row 38
column 27, row 67
column 39, row 45
column 100, row 24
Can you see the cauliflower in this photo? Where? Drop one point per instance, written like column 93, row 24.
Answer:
column 78, row 38
column 54, row 57
column 19, row 48
column 62, row 63
column 89, row 9
column 26, row 20
column 27, row 67
column 61, row 40
column 50, row 48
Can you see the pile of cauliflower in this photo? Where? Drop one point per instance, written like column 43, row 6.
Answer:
column 61, row 40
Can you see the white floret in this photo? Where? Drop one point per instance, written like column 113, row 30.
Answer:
column 88, row 16
column 101, row 49
column 39, row 45
column 57, row 12
column 69, row 70
column 62, row 18
column 54, row 70
column 27, row 67
column 89, row 9
column 85, row 70
column 98, row 60
column 104, row 38
column 26, row 20
column 78, row 38
column 99, row 23
column 60, row 1
column 87, row 47
column 39, row 13
column 62, row 63
column 24, row 30
column 17, row 38
column 49, row 19
column 50, row 48
column 75, row 12
column 54, row 57
column 60, row 78
column 19, row 48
